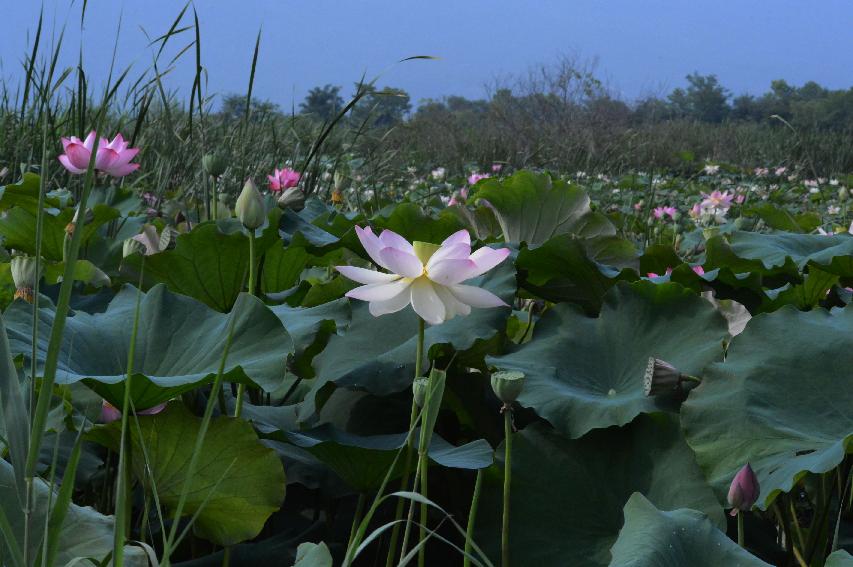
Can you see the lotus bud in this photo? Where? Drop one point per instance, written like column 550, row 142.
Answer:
column 292, row 198
column 744, row 490
column 4, row 172
column 24, row 270
column 843, row 193
column 214, row 164
column 132, row 246
column 419, row 390
column 250, row 206
column 508, row 385
column 664, row 379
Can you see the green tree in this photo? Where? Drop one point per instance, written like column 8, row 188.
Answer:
column 322, row 102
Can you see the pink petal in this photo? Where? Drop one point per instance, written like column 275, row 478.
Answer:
column 122, row 170
column 89, row 142
column 379, row 291
column 371, row 244
column 391, row 239
column 487, row 258
column 364, row 276
column 475, row 296
column 400, row 262
column 105, row 158
column 460, row 236
column 460, row 251
column 78, row 156
column 454, row 306
column 451, row 271
column 66, row 163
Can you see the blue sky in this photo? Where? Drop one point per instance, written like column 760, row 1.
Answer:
column 641, row 46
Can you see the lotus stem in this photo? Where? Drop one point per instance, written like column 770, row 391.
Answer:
column 356, row 519
column 507, row 411
column 472, row 516
column 424, row 409
column 404, row 485
column 241, row 388
column 122, row 504
column 740, row 537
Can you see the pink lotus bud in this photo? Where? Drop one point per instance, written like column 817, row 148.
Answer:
column 110, row 413
column 744, row 490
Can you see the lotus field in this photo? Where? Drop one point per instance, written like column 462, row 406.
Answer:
column 247, row 339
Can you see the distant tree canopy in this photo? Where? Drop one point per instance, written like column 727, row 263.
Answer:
column 234, row 108
column 323, row 102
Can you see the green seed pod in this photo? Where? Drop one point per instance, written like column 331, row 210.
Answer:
column 292, row 198
column 419, row 390
column 507, row 385
column 214, row 164
column 250, row 206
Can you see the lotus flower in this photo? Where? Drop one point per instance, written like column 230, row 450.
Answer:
column 497, row 167
column 475, row 177
column 426, row 275
column 744, row 490
column 112, row 158
column 660, row 212
column 283, row 179
column 717, row 201
column 110, row 413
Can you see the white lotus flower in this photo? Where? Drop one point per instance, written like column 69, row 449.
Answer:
column 426, row 275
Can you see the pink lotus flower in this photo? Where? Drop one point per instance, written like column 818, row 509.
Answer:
column 717, row 200
column 660, row 212
column 283, row 179
column 429, row 276
column 113, row 157
column 475, row 177
column 696, row 211
column 497, row 167
column 700, row 271
column 740, row 198
column 744, row 490
column 110, row 413
column 654, row 275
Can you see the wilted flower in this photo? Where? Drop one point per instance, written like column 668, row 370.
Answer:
column 113, row 157
column 250, row 206
column 475, row 177
column 660, row 212
column 663, row 379
column 283, row 179
column 744, row 490
column 24, row 270
column 426, row 275
column 152, row 241
column 110, row 413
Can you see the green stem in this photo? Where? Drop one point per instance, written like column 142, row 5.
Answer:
column 423, row 464
column 215, row 198
column 122, row 504
column 472, row 516
column 740, row 538
column 507, row 482
column 404, row 485
column 424, row 413
column 356, row 520
column 226, row 557
column 241, row 388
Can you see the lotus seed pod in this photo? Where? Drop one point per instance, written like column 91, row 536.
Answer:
column 250, row 206
column 132, row 246
column 744, row 490
column 664, row 379
column 214, row 164
column 419, row 390
column 24, row 270
column 292, row 198
column 508, row 385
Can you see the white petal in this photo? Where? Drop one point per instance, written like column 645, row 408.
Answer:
column 391, row 239
column 487, row 258
column 448, row 272
column 453, row 306
column 427, row 303
column 475, row 296
column 396, row 303
column 458, row 237
column 459, row 251
column 379, row 291
column 402, row 263
column 362, row 275
column 371, row 244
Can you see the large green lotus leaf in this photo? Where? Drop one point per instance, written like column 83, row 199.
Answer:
column 282, row 267
column 780, row 252
column 18, row 229
column 567, row 496
column 534, row 207
column 781, row 401
column 85, row 533
column 577, row 270
column 311, row 327
column 317, row 227
column 363, row 461
column 409, row 221
column 179, row 344
column 586, row 373
column 653, row 538
column 209, row 263
column 780, row 218
column 24, row 194
column 238, row 482
column 377, row 354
